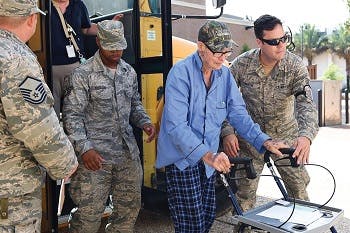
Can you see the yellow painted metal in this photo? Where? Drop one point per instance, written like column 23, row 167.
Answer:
column 152, row 86
column 150, row 36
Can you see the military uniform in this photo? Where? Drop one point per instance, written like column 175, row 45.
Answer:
column 30, row 133
column 98, row 106
column 282, row 105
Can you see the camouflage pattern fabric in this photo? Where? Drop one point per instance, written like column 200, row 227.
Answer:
column 111, row 35
column 90, row 190
column 19, row 7
column 29, row 129
column 216, row 35
column 24, row 214
column 99, row 105
column 272, row 104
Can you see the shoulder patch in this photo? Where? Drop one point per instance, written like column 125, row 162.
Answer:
column 33, row 90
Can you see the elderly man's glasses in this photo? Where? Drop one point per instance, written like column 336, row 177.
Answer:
column 219, row 54
column 276, row 42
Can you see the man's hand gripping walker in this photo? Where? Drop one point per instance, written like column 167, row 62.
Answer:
column 263, row 217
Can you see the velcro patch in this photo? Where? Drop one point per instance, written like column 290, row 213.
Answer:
column 33, row 90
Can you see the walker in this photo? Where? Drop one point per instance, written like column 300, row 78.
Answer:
column 282, row 215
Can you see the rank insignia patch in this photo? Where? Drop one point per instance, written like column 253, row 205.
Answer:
column 33, row 90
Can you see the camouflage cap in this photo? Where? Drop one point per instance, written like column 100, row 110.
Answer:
column 111, row 35
column 216, row 36
column 19, row 8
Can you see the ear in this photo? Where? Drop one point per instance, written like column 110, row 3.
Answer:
column 32, row 20
column 201, row 46
column 98, row 42
column 259, row 42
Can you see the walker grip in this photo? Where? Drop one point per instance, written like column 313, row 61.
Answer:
column 285, row 151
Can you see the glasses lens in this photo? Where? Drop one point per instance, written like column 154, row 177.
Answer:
column 275, row 42
column 220, row 54
column 285, row 39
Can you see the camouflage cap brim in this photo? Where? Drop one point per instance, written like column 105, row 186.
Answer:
column 120, row 45
column 19, row 8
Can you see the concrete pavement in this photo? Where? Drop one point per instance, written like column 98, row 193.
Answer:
column 331, row 148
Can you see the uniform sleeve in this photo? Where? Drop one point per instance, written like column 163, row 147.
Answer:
column 75, row 101
column 226, row 129
column 306, row 111
column 138, row 115
column 28, row 106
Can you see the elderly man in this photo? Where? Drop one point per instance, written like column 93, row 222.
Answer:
column 101, row 99
column 200, row 93
column 29, row 129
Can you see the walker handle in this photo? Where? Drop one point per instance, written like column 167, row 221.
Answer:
column 285, row 151
column 247, row 165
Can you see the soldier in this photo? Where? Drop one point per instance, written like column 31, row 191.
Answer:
column 101, row 99
column 29, row 128
column 200, row 93
column 275, row 86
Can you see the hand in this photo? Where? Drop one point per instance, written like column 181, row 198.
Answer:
column 230, row 144
column 273, row 146
column 117, row 17
column 219, row 161
column 150, row 130
column 302, row 150
column 92, row 160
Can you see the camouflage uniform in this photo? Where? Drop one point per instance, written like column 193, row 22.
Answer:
column 98, row 106
column 275, row 102
column 29, row 129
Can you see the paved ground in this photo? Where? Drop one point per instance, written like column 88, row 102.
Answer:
column 331, row 148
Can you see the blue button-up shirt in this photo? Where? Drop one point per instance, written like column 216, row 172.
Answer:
column 192, row 115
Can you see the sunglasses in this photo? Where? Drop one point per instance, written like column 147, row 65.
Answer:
column 219, row 54
column 275, row 42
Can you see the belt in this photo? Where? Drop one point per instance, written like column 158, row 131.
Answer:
column 4, row 207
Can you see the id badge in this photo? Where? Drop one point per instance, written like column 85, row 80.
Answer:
column 70, row 50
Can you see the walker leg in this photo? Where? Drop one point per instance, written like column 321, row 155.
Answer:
column 333, row 230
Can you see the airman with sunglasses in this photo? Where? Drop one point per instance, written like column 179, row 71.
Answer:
column 275, row 86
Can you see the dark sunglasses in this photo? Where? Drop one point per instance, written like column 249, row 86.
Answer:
column 275, row 42
column 219, row 54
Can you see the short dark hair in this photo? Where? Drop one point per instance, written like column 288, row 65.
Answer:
column 265, row 22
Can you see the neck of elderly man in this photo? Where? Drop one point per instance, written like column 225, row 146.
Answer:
column 22, row 26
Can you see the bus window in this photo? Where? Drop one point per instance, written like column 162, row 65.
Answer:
column 99, row 8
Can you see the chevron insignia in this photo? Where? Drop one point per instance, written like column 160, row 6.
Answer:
column 33, row 90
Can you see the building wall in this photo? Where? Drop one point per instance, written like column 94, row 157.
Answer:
column 324, row 59
column 188, row 28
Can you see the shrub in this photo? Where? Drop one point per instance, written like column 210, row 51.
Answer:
column 333, row 73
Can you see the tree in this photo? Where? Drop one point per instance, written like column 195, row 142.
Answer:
column 339, row 43
column 310, row 42
column 245, row 48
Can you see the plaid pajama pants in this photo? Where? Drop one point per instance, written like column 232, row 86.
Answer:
column 191, row 197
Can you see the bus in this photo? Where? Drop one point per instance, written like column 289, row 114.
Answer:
column 152, row 50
